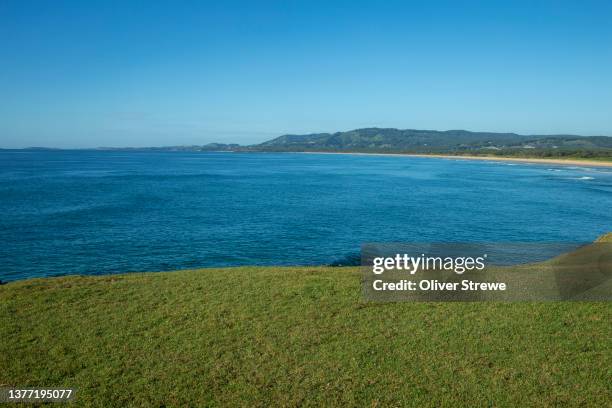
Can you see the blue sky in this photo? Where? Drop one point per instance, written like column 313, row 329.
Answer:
column 148, row 73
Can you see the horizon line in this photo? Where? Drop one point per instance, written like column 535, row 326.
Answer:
column 298, row 134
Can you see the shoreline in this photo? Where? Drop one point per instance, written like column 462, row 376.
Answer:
column 566, row 162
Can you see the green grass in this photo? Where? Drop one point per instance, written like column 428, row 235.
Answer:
column 294, row 336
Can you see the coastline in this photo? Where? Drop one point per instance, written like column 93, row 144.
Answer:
column 566, row 162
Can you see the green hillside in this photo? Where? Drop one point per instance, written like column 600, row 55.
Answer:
column 389, row 140
column 443, row 142
column 294, row 337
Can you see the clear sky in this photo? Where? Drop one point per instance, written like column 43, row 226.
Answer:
column 151, row 73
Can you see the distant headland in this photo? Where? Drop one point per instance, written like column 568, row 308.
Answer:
column 419, row 142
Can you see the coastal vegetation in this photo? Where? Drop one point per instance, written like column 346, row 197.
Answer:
column 294, row 336
column 411, row 141
column 452, row 142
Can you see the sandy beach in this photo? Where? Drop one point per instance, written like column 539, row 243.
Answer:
column 565, row 162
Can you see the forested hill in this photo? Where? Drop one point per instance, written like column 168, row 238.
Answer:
column 433, row 141
column 389, row 140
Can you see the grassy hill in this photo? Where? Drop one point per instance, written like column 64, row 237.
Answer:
column 294, row 336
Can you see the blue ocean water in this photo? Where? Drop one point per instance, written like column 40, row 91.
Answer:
column 95, row 212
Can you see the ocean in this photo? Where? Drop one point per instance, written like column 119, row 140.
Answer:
column 99, row 212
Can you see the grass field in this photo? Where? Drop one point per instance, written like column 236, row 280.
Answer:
column 294, row 336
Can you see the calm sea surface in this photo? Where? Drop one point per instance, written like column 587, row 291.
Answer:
column 71, row 212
